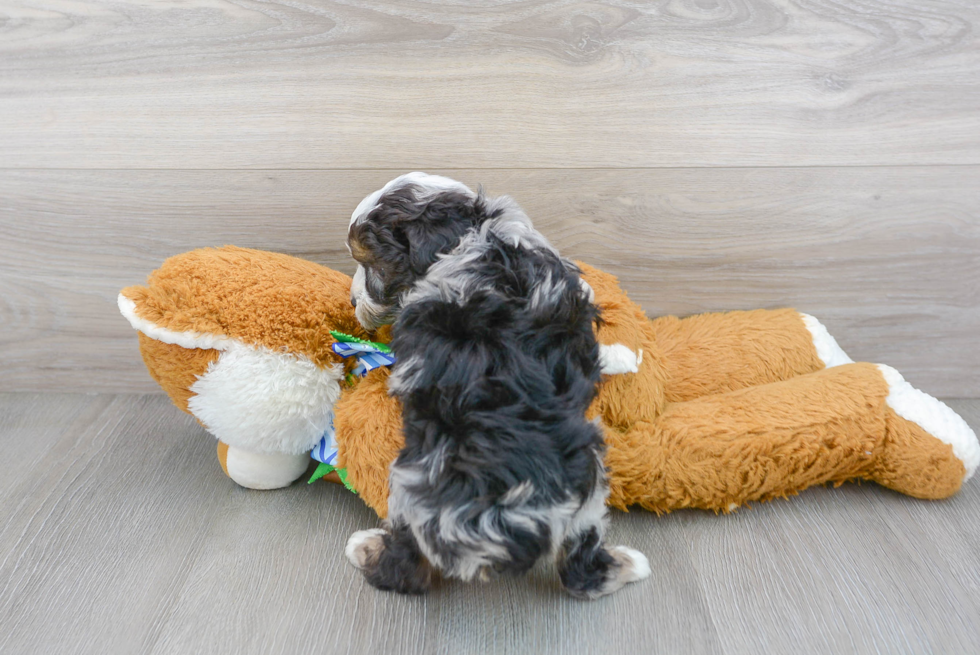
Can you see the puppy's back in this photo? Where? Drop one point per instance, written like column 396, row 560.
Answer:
column 495, row 373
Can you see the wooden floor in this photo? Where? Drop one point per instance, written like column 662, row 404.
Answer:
column 119, row 534
column 715, row 154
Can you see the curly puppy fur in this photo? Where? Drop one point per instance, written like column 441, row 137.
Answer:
column 497, row 363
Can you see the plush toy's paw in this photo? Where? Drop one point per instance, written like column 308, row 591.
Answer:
column 924, row 416
column 616, row 359
column 826, row 346
column 261, row 470
column 364, row 546
column 634, row 565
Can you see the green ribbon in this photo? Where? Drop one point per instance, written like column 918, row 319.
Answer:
column 326, row 469
column 343, row 337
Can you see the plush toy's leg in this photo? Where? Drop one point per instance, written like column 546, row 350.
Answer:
column 650, row 363
column 850, row 421
column 704, row 355
column 261, row 470
column 714, row 353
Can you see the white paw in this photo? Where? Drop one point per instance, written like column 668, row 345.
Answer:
column 363, row 546
column 616, row 359
column 635, row 565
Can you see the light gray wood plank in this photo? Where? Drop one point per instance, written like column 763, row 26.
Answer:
column 31, row 427
column 888, row 258
column 850, row 571
column 386, row 83
column 131, row 540
column 96, row 545
column 272, row 579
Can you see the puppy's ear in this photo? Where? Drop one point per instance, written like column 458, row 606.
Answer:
column 439, row 227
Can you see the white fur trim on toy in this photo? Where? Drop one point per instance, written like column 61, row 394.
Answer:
column 933, row 416
column 616, row 359
column 265, row 401
column 828, row 351
column 188, row 339
column 265, row 470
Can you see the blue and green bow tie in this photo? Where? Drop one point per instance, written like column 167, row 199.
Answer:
column 370, row 355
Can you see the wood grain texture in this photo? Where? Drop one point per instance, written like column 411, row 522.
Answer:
column 493, row 84
column 888, row 258
column 118, row 533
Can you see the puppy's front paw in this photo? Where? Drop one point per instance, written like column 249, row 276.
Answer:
column 633, row 564
column 364, row 546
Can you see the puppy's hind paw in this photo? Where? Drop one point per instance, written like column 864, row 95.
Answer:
column 634, row 565
column 364, row 547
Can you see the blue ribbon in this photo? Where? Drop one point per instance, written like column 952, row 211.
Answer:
column 326, row 451
column 368, row 357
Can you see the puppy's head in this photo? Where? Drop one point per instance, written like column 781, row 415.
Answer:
column 397, row 233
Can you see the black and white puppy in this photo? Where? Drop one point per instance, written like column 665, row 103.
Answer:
column 497, row 364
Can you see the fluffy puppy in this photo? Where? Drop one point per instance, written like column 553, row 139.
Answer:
column 497, row 363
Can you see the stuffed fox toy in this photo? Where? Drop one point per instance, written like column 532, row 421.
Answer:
column 711, row 411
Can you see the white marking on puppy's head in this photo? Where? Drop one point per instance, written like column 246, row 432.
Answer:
column 433, row 184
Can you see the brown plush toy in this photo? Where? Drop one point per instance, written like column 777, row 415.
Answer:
column 710, row 411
